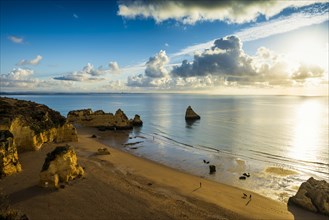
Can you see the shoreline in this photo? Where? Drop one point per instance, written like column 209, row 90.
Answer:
column 134, row 182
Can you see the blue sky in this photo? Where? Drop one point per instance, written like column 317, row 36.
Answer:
column 275, row 47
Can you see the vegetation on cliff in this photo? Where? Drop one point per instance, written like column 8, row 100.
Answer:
column 38, row 117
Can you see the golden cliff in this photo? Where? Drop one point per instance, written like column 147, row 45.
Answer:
column 25, row 126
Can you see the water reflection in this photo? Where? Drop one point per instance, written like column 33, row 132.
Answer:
column 307, row 131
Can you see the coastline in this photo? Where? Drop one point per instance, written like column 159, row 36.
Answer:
column 121, row 186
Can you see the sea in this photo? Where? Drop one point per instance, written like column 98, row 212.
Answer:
column 280, row 141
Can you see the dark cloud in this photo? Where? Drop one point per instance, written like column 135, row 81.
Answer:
column 226, row 57
column 192, row 11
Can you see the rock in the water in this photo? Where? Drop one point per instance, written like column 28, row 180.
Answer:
column 101, row 120
column 312, row 195
column 212, row 169
column 103, row 151
column 191, row 115
column 60, row 166
column 137, row 121
column 9, row 163
column 33, row 124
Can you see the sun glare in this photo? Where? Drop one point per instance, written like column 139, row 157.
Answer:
column 309, row 50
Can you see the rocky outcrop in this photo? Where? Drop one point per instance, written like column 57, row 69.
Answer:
column 33, row 124
column 191, row 115
column 9, row 163
column 60, row 166
column 137, row 121
column 102, row 120
column 312, row 195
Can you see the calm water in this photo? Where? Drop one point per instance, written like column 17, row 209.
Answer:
column 236, row 133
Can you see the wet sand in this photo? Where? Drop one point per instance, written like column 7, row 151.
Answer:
column 123, row 186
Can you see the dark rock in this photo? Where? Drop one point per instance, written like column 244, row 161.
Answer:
column 212, row 169
column 242, row 177
column 191, row 115
column 137, row 121
column 93, row 136
column 246, row 174
column 103, row 151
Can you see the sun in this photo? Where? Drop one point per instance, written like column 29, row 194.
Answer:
column 308, row 49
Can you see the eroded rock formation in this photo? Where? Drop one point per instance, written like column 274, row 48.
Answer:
column 137, row 121
column 102, row 120
column 9, row 163
column 33, row 124
column 312, row 195
column 191, row 115
column 60, row 166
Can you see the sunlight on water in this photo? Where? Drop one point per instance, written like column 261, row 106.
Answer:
column 307, row 131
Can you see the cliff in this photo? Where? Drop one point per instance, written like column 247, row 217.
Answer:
column 102, row 120
column 9, row 163
column 33, row 124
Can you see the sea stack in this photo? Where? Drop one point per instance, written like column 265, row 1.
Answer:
column 191, row 115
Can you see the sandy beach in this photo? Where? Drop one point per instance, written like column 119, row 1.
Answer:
column 123, row 186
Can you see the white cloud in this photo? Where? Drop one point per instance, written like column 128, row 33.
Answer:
column 87, row 74
column 192, row 11
column 282, row 24
column 75, row 16
column 34, row 61
column 16, row 39
column 114, row 67
column 155, row 66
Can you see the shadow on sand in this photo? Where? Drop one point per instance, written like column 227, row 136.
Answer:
column 301, row 214
column 27, row 193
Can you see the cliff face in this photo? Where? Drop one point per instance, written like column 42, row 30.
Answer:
column 33, row 124
column 9, row 163
column 100, row 119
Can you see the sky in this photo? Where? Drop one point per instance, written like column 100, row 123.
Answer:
column 187, row 46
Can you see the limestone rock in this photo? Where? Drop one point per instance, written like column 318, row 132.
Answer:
column 137, row 121
column 191, row 115
column 9, row 163
column 102, row 120
column 312, row 195
column 33, row 124
column 103, row 151
column 60, row 166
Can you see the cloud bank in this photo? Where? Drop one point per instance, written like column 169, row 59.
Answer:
column 192, row 11
column 226, row 64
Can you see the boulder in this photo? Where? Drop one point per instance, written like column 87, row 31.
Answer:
column 33, row 124
column 60, row 166
column 312, row 195
column 103, row 121
column 103, row 151
column 137, row 121
column 212, row 169
column 191, row 115
column 9, row 163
